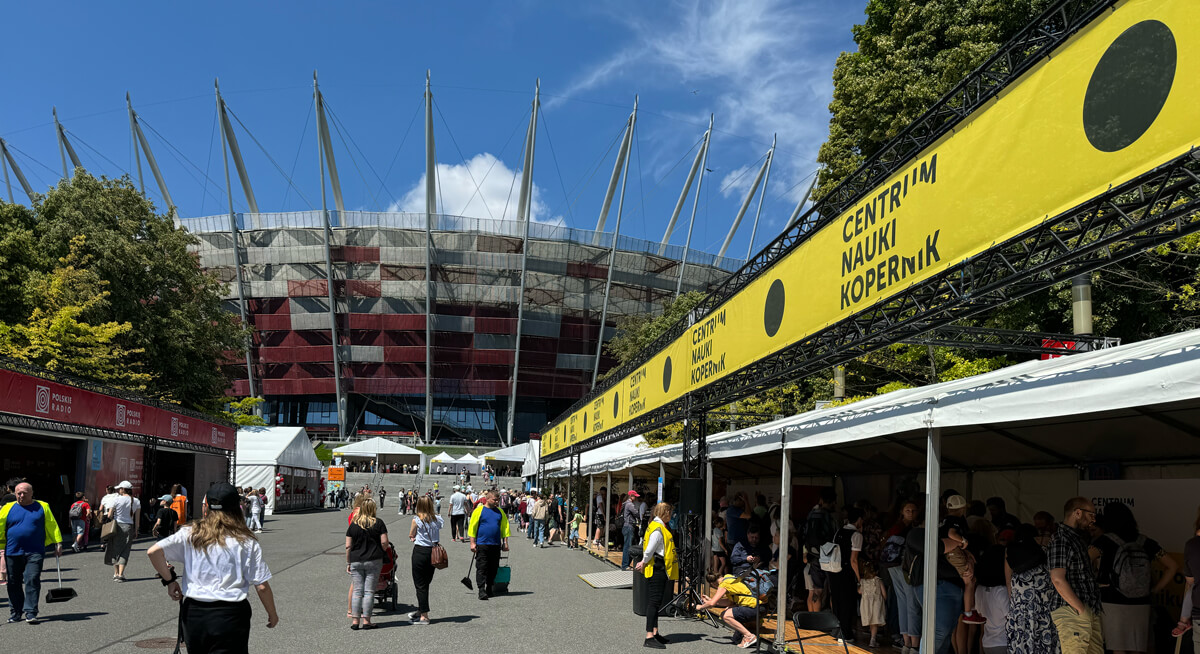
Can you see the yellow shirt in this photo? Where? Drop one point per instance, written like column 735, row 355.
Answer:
column 668, row 550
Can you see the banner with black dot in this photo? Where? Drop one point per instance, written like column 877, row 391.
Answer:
column 1117, row 99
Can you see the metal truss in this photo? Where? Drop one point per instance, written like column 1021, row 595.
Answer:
column 95, row 387
column 1152, row 209
column 1031, row 44
column 1012, row 340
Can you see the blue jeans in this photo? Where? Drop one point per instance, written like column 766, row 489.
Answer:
column 949, row 607
column 907, row 609
column 539, row 531
column 627, row 545
column 24, row 584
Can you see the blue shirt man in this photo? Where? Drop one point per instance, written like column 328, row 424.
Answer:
column 489, row 534
column 26, row 529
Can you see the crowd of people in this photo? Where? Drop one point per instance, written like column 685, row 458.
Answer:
column 1079, row 584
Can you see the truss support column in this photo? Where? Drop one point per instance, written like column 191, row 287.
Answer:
column 622, row 157
column 592, row 499
column 1081, row 304
column 523, row 214
column 430, row 210
column 683, row 193
column 333, row 330
column 933, row 490
column 612, row 252
column 235, row 233
column 687, row 246
column 785, row 510
column 140, row 138
column 137, row 155
column 737, row 220
column 12, row 163
column 762, row 198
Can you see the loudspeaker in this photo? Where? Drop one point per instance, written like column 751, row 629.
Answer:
column 691, row 497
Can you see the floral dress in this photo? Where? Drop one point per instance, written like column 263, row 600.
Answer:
column 1029, row 628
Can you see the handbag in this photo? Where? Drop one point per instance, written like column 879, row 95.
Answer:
column 106, row 530
column 438, row 557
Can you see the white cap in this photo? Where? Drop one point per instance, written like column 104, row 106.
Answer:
column 125, row 484
column 456, row 487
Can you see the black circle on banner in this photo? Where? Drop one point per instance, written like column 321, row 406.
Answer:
column 616, row 403
column 585, row 422
column 667, row 375
column 773, row 309
column 1129, row 86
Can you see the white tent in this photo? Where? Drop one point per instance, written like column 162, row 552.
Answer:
column 472, row 464
column 377, row 447
column 507, row 455
column 441, row 459
column 263, row 452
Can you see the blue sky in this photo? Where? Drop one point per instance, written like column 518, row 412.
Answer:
column 762, row 66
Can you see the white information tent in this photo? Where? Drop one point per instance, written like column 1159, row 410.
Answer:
column 511, row 458
column 469, row 462
column 442, row 459
column 380, row 450
column 264, row 452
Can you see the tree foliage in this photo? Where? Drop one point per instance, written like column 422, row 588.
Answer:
column 175, row 329
column 242, row 412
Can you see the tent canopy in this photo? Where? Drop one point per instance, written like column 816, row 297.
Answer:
column 285, row 446
column 377, row 446
column 442, row 458
column 516, row 453
column 467, row 459
column 1138, row 403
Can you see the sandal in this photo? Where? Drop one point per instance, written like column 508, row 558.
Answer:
column 369, row 625
column 747, row 644
column 1180, row 629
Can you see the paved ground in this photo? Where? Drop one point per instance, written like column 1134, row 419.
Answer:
column 549, row 607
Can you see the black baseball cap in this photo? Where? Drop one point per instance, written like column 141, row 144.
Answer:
column 222, row 496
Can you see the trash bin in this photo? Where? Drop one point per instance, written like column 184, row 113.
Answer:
column 639, row 584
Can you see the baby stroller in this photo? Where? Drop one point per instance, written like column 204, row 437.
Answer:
column 386, row 590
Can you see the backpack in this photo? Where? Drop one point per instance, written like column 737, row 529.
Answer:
column 912, row 567
column 77, row 511
column 831, row 557
column 1131, row 567
column 817, row 531
column 893, row 549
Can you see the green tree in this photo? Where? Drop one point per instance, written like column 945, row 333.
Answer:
column 180, row 333
column 65, row 331
column 635, row 332
column 242, row 412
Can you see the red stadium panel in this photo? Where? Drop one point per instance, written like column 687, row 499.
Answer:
column 362, row 288
column 311, row 353
column 404, row 321
column 412, row 354
column 496, row 325
column 273, row 322
column 372, row 321
column 355, row 254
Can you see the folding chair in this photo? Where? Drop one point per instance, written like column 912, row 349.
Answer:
column 824, row 622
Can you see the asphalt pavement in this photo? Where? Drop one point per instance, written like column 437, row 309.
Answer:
column 547, row 609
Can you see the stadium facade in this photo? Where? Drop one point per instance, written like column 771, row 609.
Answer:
column 383, row 304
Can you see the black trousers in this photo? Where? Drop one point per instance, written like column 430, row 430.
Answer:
column 843, row 599
column 656, row 587
column 422, row 574
column 487, row 562
column 216, row 627
column 456, row 526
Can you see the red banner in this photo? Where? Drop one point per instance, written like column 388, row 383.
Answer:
column 39, row 398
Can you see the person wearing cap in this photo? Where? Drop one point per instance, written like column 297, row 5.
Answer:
column 953, row 531
column 221, row 561
column 165, row 520
column 631, row 517
column 27, row 528
column 125, row 511
column 458, row 514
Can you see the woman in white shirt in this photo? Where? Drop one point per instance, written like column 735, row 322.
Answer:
column 659, row 565
column 425, row 533
column 126, row 512
column 256, row 511
column 221, row 561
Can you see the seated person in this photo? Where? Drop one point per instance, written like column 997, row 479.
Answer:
column 740, row 606
column 751, row 554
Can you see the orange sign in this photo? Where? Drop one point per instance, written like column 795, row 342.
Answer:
column 337, row 474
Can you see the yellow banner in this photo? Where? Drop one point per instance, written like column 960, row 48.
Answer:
column 1112, row 102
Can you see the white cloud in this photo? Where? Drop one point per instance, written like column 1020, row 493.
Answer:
column 481, row 187
column 759, row 66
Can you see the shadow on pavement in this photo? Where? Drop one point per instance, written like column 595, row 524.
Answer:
column 73, row 617
column 457, row 619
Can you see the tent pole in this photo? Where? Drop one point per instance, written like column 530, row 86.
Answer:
column 785, row 509
column 595, row 524
column 933, row 491
column 608, row 494
column 662, row 480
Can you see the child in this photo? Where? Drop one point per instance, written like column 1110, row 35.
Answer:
column 720, row 556
column 952, row 531
column 575, row 521
column 874, row 599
